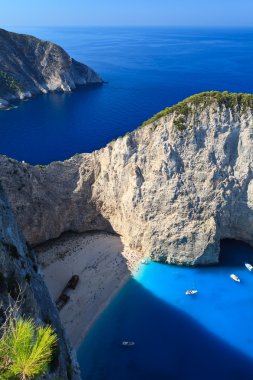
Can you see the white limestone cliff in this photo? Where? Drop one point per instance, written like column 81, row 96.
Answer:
column 172, row 188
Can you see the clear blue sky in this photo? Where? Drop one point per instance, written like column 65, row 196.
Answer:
column 126, row 12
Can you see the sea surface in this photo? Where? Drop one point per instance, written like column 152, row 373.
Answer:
column 147, row 69
column 205, row 336
column 178, row 337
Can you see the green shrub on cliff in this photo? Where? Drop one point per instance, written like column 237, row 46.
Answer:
column 25, row 349
column 8, row 84
column 201, row 101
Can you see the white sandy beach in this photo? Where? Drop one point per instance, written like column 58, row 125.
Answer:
column 103, row 265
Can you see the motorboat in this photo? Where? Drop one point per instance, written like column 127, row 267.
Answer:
column 192, row 291
column 127, row 343
column 144, row 261
column 235, row 278
column 249, row 266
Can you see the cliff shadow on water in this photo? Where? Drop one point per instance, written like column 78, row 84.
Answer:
column 170, row 344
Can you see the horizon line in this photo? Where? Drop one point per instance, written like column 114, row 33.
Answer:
column 128, row 26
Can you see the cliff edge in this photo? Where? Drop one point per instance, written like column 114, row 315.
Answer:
column 30, row 66
column 22, row 284
column 172, row 188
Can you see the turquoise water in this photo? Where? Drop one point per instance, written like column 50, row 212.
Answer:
column 205, row 336
column 202, row 337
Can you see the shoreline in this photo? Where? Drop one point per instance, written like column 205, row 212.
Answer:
column 102, row 309
column 15, row 101
column 103, row 265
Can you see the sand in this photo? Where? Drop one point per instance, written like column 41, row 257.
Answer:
column 103, row 265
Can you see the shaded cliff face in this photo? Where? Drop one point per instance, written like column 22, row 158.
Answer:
column 172, row 189
column 30, row 66
column 19, row 270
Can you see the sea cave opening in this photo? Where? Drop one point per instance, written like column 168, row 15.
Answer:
column 235, row 253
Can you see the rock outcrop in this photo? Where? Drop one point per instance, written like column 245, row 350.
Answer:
column 30, row 66
column 172, row 188
column 20, row 274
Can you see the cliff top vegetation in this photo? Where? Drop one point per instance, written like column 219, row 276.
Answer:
column 202, row 100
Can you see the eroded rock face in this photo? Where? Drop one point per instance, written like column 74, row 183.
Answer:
column 19, row 271
column 172, row 193
column 30, row 66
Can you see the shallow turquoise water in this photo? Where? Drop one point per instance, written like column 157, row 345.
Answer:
column 177, row 337
column 205, row 336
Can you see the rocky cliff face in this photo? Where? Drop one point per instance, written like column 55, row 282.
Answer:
column 172, row 189
column 19, row 271
column 30, row 66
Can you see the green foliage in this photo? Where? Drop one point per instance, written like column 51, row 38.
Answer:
column 200, row 102
column 180, row 123
column 9, row 85
column 25, row 350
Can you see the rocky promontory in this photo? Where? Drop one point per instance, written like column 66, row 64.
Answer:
column 30, row 66
column 172, row 188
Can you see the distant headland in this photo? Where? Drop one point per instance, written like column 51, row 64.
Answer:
column 30, row 66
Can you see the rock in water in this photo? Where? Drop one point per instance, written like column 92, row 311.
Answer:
column 30, row 66
column 172, row 189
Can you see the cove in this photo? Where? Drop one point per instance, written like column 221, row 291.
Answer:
column 205, row 336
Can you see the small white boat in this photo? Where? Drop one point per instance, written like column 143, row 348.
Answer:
column 144, row 261
column 193, row 291
column 127, row 343
column 235, row 278
column 249, row 266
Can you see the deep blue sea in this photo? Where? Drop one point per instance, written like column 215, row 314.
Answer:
column 206, row 336
column 147, row 70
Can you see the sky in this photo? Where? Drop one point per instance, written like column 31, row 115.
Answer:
column 126, row 13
